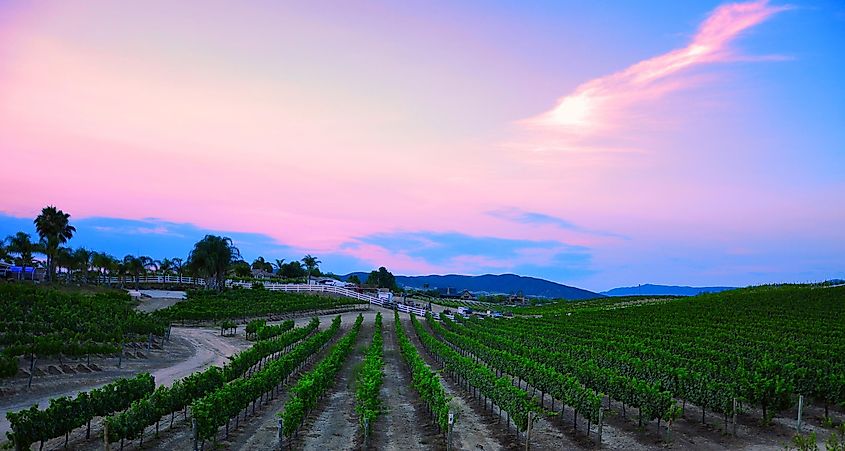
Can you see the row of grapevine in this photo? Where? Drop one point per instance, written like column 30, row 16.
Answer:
column 217, row 408
column 425, row 381
column 148, row 411
column 512, row 400
column 242, row 304
column 243, row 361
column 165, row 400
column 651, row 401
column 65, row 414
column 547, row 380
column 259, row 329
column 308, row 390
column 367, row 399
column 41, row 322
column 760, row 346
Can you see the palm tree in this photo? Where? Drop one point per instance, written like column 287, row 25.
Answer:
column 165, row 267
column 53, row 226
column 211, row 258
column 5, row 255
column 64, row 259
column 178, row 266
column 311, row 264
column 101, row 261
column 278, row 264
column 82, row 260
column 135, row 266
column 21, row 244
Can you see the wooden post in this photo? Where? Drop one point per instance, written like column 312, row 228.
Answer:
column 106, row 436
column 281, row 434
column 800, row 412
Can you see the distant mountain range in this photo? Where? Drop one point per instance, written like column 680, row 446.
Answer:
column 493, row 284
column 662, row 290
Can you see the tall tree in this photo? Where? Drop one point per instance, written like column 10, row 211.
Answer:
column 22, row 245
column 135, row 266
column 211, row 258
column 53, row 226
column 178, row 266
column 263, row 265
column 165, row 267
column 64, row 259
column 5, row 255
column 278, row 264
column 101, row 262
column 311, row 263
column 382, row 278
column 292, row 270
column 82, row 261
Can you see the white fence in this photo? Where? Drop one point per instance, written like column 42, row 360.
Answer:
column 272, row 286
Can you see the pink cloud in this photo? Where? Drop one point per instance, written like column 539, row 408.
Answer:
column 608, row 102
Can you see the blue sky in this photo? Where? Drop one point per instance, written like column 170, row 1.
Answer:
column 597, row 144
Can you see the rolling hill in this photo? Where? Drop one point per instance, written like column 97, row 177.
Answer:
column 662, row 290
column 493, row 284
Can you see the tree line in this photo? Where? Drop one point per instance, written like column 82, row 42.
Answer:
column 213, row 258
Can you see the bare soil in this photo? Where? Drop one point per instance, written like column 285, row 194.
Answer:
column 404, row 424
column 475, row 428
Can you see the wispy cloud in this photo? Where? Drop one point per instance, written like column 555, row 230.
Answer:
column 534, row 218
column 605, row 103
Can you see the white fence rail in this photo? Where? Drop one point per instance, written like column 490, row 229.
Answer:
column 272, row 286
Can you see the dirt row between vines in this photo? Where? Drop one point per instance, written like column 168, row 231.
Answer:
column 475, row 428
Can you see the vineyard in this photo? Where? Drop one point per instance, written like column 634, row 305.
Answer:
column 243, row 304
column 39, row 322
column 726, row 370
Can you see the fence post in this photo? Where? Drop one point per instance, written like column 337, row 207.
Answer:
column 106, row 435
column 800, row 411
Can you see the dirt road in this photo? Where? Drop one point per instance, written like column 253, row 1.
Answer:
column 190, row 350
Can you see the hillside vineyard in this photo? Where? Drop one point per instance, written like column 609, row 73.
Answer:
column 629, row 372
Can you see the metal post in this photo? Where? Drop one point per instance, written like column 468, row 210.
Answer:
column 366, row 431
column 449, row 432
column 194, row 431
column 800, row 411
column 528, row 432
column 281, row 434
column 601, row 416
column 735, row 409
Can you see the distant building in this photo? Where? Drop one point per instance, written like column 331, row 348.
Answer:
column 385, row 294
column 262, row 274
column 452, row 293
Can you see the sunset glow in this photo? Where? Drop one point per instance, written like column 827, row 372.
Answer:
column 699, row 142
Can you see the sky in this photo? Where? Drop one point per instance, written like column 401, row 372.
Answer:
column 596, row 144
